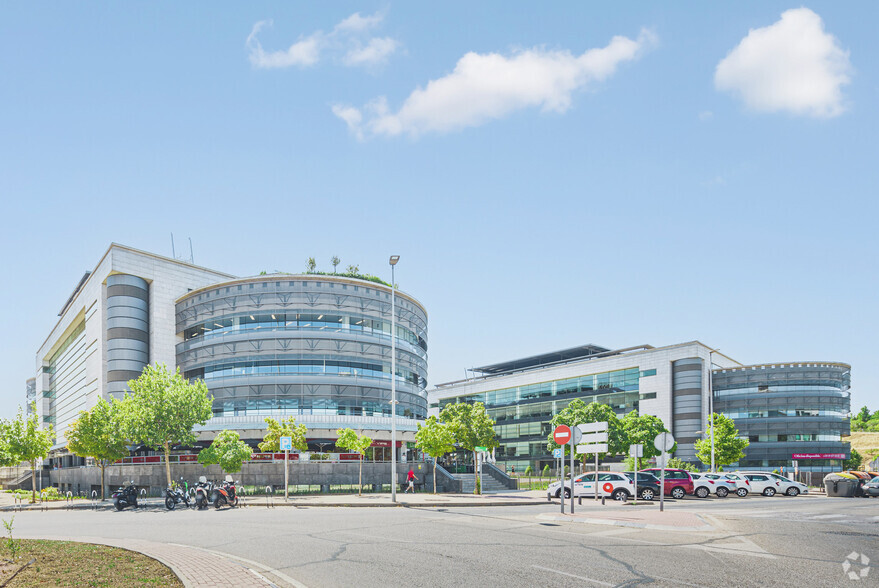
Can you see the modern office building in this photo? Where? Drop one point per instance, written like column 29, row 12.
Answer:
column 809, row 402
column 523, row 395
column 789, row 412
column 315, row 347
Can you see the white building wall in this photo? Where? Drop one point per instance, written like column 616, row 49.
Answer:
column 83, row 380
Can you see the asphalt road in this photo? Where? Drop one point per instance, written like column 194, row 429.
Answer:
column 754, row 541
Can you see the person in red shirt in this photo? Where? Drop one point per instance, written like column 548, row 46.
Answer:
column 410, row 478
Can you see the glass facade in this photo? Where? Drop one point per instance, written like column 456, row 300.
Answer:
column 304, row 345
column 522, row 414
column 786, row 409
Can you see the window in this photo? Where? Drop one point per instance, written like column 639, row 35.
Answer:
column 646, row 373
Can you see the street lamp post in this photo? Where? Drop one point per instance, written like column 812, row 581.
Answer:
column 393, row 261
column 711, row 400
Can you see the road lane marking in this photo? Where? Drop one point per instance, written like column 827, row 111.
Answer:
column 573, row 576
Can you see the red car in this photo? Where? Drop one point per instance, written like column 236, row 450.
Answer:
column 678, row 483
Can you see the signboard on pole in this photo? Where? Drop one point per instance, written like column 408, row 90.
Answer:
column 558, row 452
column 592, row 438
column 481, row 448
column 664, row 442
column 593, row 427
column 636, row 450
column 286, row 443
column 592, row 448
column 562, row 434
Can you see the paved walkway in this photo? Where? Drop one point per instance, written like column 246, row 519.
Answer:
column 622, row 515
column 196, row 568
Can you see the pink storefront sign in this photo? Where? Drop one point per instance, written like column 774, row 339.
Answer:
column 818, row 456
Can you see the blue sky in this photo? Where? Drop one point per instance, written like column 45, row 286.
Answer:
column 709, row 175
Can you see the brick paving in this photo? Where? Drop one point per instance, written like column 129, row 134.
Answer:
column 196, row 568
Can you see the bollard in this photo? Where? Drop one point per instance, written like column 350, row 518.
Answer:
column 579, row 500
column 269, row 492
column 68, row 499
column 602, row 501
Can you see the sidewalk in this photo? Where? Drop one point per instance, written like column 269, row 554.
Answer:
column 196, row 568
column 628, row 516
column 421, row 499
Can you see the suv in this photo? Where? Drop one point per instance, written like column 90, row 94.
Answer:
column 648, row 484
column 612, row 484
column 786, row 485
column 762, row 482
column 708, row 483
column 678, row 483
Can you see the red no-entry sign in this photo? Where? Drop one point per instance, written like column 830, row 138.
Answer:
column 562, row 434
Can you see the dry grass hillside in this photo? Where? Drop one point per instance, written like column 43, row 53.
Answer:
column 867, row 444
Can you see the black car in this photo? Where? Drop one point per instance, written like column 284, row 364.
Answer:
column 648, row 484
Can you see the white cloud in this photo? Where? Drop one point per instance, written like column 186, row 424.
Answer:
column 303, row 53
column 352, row 118
column 484, row 87
column 345, row 40
column 356, row 23
column 375, row 52
column 792, row 65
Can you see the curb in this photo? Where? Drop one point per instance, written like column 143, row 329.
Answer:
column 281, row 503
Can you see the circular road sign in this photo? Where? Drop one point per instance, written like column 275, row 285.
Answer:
column 664, row 442
column 562, row 434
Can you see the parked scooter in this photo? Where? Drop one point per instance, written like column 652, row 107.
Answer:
column 125, row 496
column 202, row 493
column 175, row 494
column 225, row 494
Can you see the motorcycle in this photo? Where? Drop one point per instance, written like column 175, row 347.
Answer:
column 225, row 494
column 175, row 494
column 202, row 493
column 125, row 496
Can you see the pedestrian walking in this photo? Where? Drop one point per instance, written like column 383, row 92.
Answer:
column 410, row 479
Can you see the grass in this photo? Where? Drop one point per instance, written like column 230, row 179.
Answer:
column 66, row 563
column 866, row 443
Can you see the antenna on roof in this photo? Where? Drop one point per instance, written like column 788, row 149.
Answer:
column 174, row 250
column 191, row 259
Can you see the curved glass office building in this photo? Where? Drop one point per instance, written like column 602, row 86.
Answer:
column 315, row 347
column 789, row 412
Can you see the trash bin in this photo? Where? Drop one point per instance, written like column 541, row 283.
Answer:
column 840, row 485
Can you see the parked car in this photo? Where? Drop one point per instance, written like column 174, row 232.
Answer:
column 762, row 482
column 743, row 485
column 711, row 483
column 790, row 487
column 871, row 488
column 648, row 484
column 779, row 484
column 612, row 484
column 678, row 483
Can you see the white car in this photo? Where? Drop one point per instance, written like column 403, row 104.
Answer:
column 711, row 483
column 743, row 485
column 617, row 486
column 774, row 484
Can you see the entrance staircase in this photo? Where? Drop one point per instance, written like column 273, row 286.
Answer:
column 490, row 485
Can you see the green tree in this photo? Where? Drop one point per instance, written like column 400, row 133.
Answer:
column 471, row 427
column 350, row 440
column 677, row 463
column 162, row 410
column 285, row 428
column 24, row 440
column 227, row 450
column 728, row 447
column 98, row 434
column 643, row 429
column 353, row 269
column 310, row 265
column 578, row 412
column 335, row 261
column 434, row 438
column 853, row 462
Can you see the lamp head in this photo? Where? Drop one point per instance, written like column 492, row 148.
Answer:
column 394, row 259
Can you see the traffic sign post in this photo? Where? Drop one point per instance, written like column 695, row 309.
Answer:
column 572, row 473
column 562, row 434
column 663, row 442
column 286, row 443
column 595, row 442
column 636, row 450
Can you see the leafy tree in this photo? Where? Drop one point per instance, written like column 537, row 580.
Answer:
column 471, row 426
column 435, row 439
column 353, row 269
column 546, row 471
column 578, row 412
column 643, row 429
column 163, row 408
column 677, row 463
column 865, row 421
column 351, row 441
column 24, row 440
column 227, row 450
column 310, row 265
column 98, row 434
column 853, row 462
column 728, row 447
column 285, row 428
column 335, row 261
